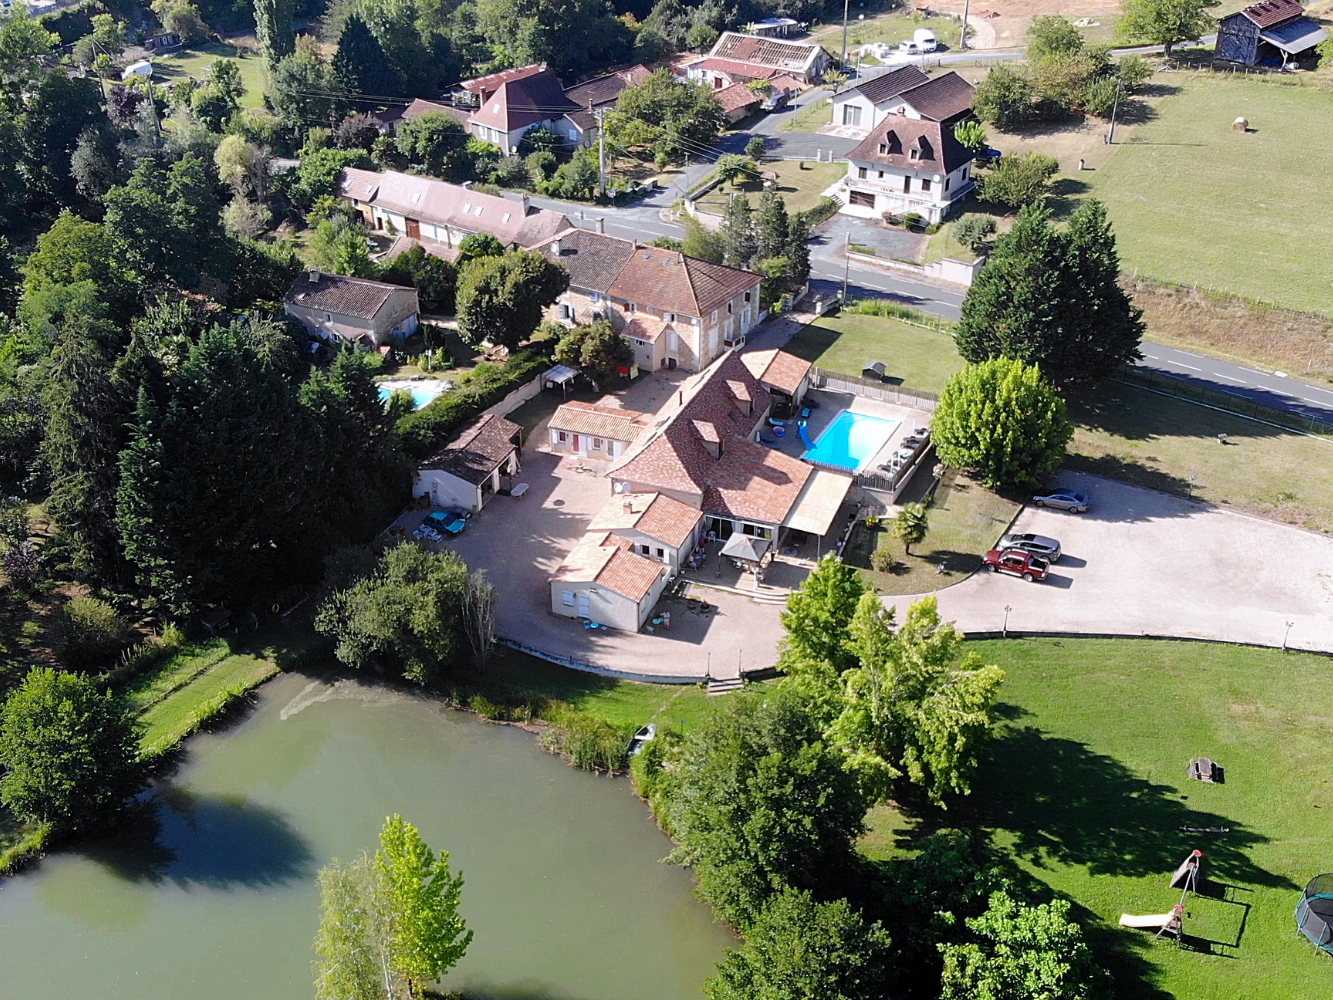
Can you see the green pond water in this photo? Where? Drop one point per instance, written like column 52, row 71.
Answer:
column 211, row 896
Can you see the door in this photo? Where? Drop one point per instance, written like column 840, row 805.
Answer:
column 583, row 606
column 576, row 444
column 413, row 228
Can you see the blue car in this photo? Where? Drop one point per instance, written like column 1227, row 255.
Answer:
column 446, row 521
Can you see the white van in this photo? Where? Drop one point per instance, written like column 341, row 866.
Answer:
column 142, row 68
column 925, row 39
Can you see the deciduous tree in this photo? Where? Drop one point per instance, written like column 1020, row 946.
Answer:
column 1165, row 22
column 818, row 613
column 70, row 751
column 273, row 26
column 501, row 299
column 596, row 348
column 437, row 144
column 1002, row 420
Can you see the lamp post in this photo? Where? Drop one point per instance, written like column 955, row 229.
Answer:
column 1286, row 633
column 1005, row 632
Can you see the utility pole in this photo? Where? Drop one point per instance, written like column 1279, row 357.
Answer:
column 157, row 125
column 962, row 42
column 846, row 267
column 844, row 34
column 1115, row 108
column 601, row 151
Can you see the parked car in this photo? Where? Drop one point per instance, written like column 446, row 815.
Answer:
column 1016, row 562
column 1038, row 545
column 1075, row 503
column 446, row 521
column 908, row 47
column 925, row 39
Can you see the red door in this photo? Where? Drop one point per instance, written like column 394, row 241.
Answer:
column 576, row 443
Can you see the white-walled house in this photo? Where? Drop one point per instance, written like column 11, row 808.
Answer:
column 352, row 310
column 676, row 311
column 602, row 580
column 656, row 526
column 908, row 165
column 592, row 430
column 473, row 467
column 905, row 91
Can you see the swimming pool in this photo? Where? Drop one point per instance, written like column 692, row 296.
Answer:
column 421, row 392
column 851, row 441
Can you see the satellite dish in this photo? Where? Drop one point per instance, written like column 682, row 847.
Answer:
column 620, row 487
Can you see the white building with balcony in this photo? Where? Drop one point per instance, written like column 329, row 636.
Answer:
column 908, row 165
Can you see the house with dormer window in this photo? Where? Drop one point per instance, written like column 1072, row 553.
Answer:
column 908, row 165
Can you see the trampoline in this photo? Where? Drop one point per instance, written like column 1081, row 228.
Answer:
column 1314, row 913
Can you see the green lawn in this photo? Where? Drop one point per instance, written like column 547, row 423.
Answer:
column 516, row 677
column 1197, row 203
column 921, row 358
column 800, row 182
column 1142, row 437
column 966, row 519
column 1084, row 790
column 810, row 118
column 194, row 62
column 892, row 27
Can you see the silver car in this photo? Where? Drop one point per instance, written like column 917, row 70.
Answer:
column 1075, row 503
column 1037, row 545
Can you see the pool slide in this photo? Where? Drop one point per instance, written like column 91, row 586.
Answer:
column 805, row 438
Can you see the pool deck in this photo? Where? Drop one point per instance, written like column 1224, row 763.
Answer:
column 831, row 404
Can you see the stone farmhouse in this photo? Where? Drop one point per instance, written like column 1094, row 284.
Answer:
column 676, row 311
column 740, row 58
column 356, row 311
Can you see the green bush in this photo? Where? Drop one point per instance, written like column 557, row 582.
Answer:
column 882, row 561
column 90, row 632
column 1019, row 180
column 974, row 231
column 912, row 220
column 487, row 709
column 827, row 208
column 587, row 743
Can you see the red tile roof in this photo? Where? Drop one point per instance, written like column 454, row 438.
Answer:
column 488, row 84
column 478, row 449
column 736, row 67
column 527, row 101
column 603, row 558
column 579, row 417
column 659, row 517
column 735, row 97
column 420, row 107
column 1272, row 12
column 777, row 369
column 748, row 481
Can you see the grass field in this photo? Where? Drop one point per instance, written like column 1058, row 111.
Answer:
column 1084, row 790
column 1197, row 203
column 966, row 519
column 194, row 63
column 810, row 118
column 892, row 27
column 844, row 342
column 800, row 182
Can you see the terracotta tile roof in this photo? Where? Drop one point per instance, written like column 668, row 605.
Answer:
column 604, row 559
column 1272, row 12
column 942, row 98
column 784, row 83
column 892, row 141
column 488, row 84
column 599, row 421
column 659, row 517
column 340, row 295
column 756, row 483
column 774, row 52
column 674, row 456
column 891, row 84
column 402, row 244
column 664, row 280
column 440, row 203
column 736, row 67
column 526, row 101
column 735, row 97
column 592, row 259
column 475, row 451
column 646, row 328
column 777, row 369
column 420, row 107
column 601, row 91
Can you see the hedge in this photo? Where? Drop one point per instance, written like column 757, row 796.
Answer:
column 826, row 209
column 426, row 430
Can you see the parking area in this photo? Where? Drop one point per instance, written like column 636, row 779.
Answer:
column 519, row 542
column 1141, row 562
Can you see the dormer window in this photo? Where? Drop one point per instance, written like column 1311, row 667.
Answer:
column 891, row 146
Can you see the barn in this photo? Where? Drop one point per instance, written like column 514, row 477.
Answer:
column 1267, row 33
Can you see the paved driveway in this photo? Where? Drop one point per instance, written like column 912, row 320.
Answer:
column 1142, row 562
column 520, row 542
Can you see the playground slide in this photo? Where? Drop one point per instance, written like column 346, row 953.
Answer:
column 1154, row 920
column 805, row 438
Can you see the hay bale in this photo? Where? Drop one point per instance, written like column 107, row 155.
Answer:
column 1240, row 125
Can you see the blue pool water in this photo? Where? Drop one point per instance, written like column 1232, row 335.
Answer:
column 421, row 392
column 851, row 441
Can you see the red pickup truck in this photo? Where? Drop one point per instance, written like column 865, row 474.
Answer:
column 1016, row 562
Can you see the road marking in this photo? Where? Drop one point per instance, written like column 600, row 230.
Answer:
column 1153, row 356
column 1181, row 364
column 1250, row 370
column 1229, row 378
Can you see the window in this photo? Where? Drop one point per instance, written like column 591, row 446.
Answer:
column 714, row 315
column 567, row 598
column 861, row 173
column 946, row 183
column 907, row 185
column 565, row 311
column 661, row 553
column 862, row 198
column 644, row 549
column 597, row 443
column 669, row 317
column 561, row 436
column 915, row 154
column 925, row 183
column 881, row 175
column 851, row 115
column 729, row 310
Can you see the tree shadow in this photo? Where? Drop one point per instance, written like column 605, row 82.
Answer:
column 1062, row 802
column 189, row 839
column 1128, row 471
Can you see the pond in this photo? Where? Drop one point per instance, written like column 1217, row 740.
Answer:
column 212, row 895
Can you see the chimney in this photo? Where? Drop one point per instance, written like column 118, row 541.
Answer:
column 601, row 224
column 527, row 203
column 314, row 276
column 555, row 247
column 629, row 506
